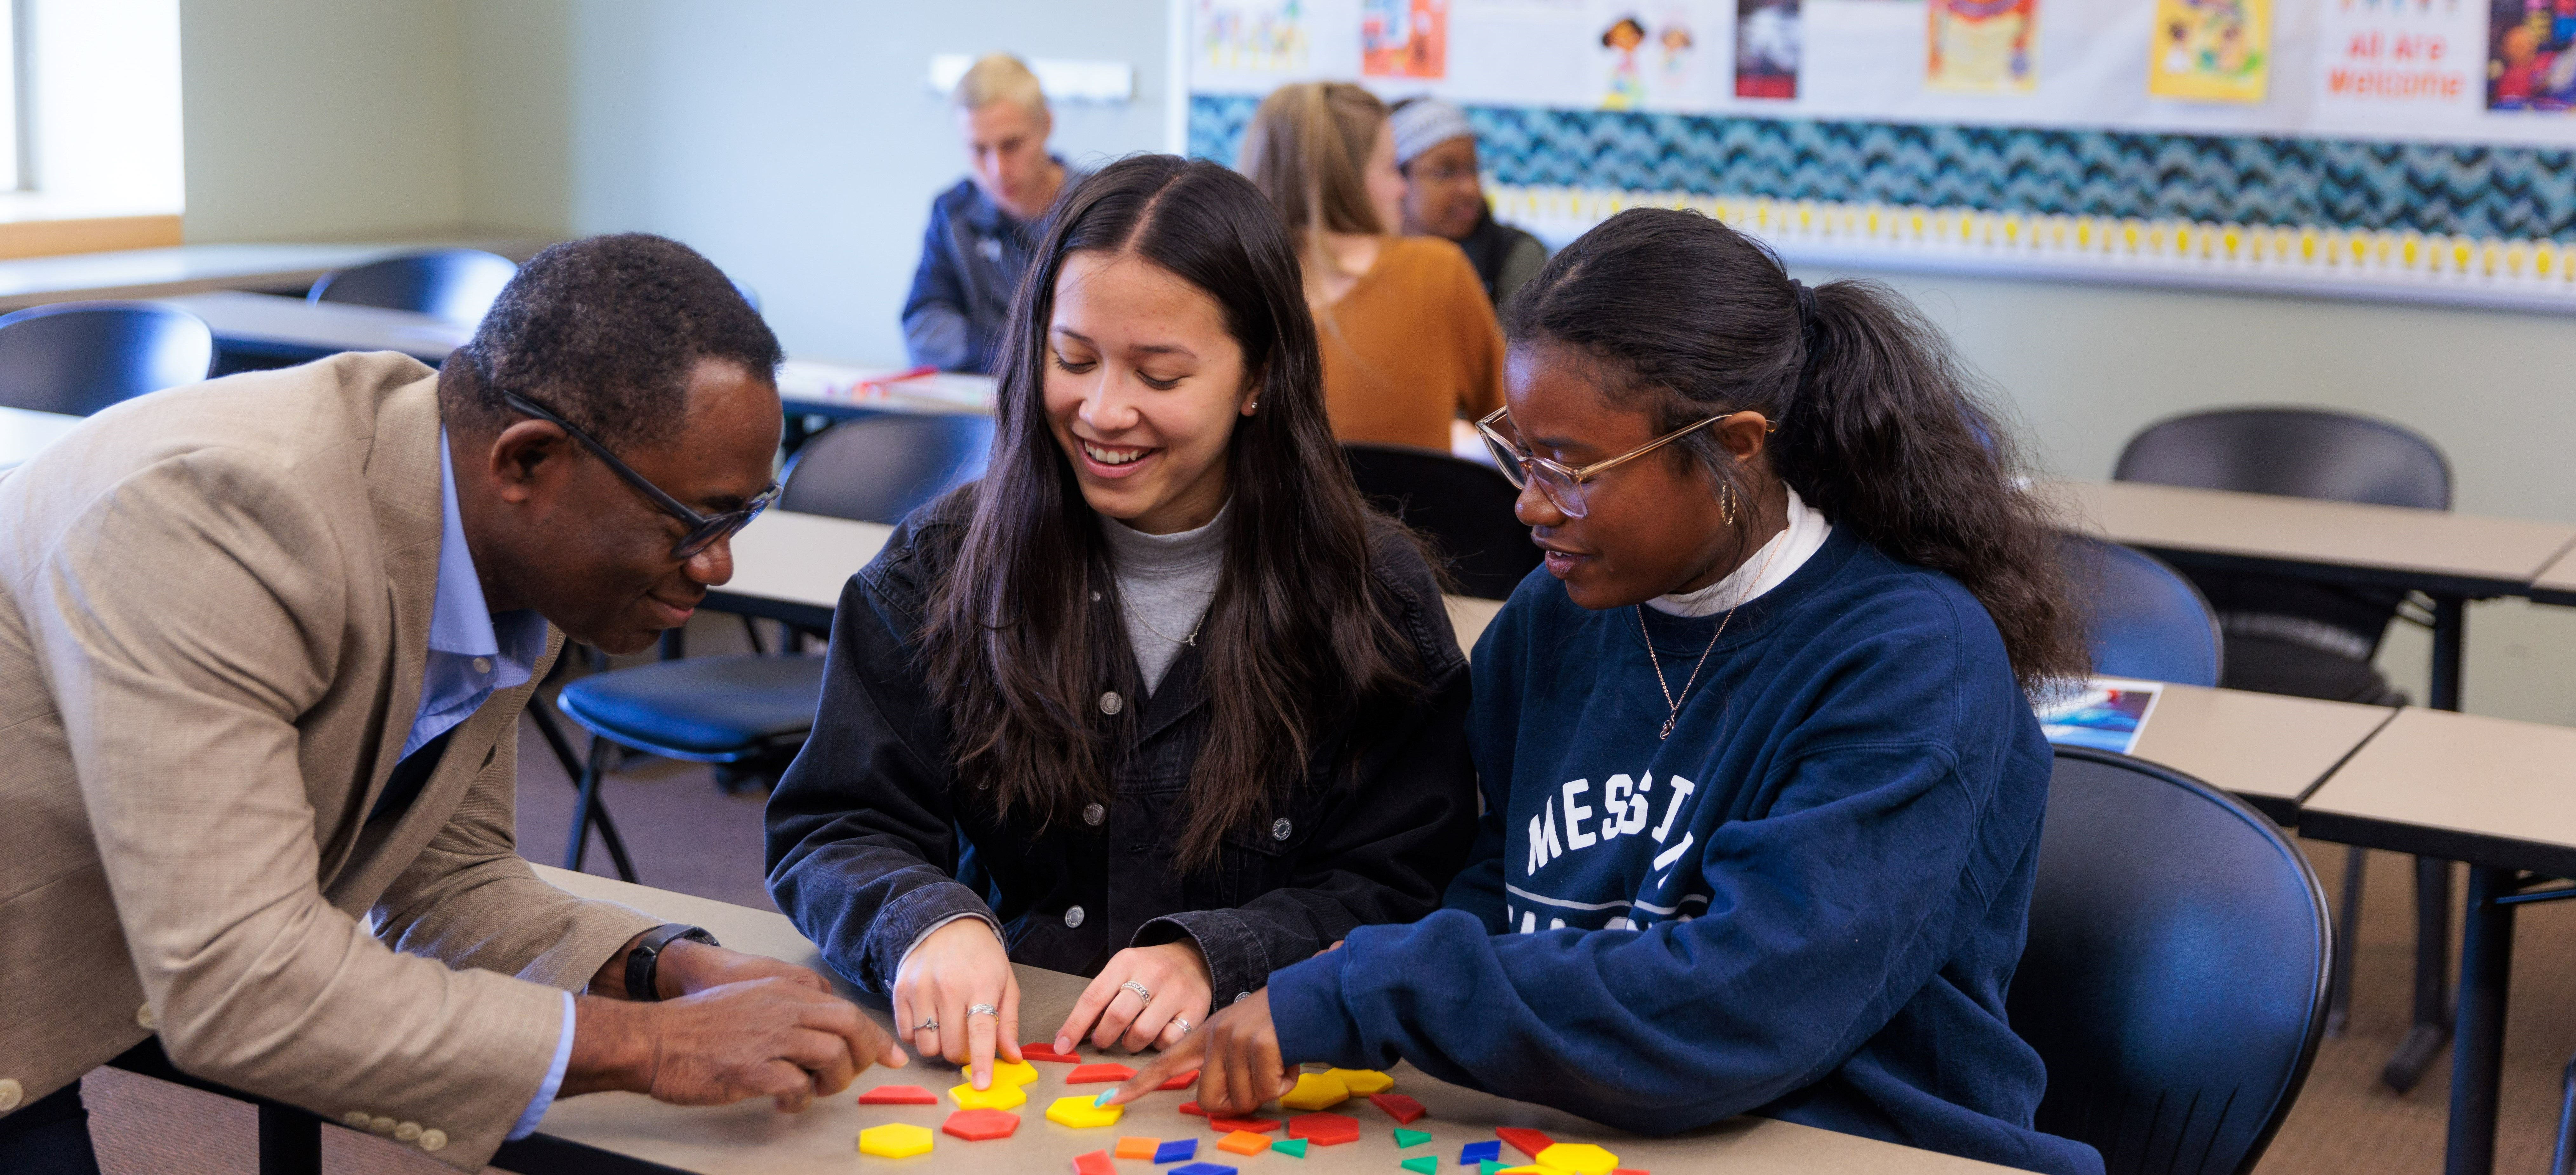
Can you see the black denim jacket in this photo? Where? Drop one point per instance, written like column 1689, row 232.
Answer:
column 870, row 842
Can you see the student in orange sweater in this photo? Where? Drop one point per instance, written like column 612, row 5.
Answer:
column 1408, row 335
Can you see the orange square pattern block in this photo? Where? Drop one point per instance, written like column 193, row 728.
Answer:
column 1244, row 1142
column 1132, row 1147
column 1090, row 1074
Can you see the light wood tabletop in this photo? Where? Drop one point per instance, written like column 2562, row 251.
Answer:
column 332, row 327
column 2268, row 749
column 752, row 1137
column 24, row 433
column 2433, row 549
column 192, row 269
column 839, row 389
column 2489, row 791
column 2557, row 582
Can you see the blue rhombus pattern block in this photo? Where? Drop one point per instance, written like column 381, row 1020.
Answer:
column 2480, row 191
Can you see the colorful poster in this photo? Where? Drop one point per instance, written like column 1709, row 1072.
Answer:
column 2107, row 714
column 1766, row 48
column 1619, row 43
column 1253, row 36
column 1982, row 46
column 2411, row 64
column 1404, row 38
column 2531, row 55
column 2211, row 50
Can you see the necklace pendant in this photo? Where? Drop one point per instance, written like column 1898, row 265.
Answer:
column 1668, row 729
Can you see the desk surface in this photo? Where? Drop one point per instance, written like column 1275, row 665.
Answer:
column 2557, row 582
column 834, row 389
column 326, row 326
column 752, row 1137
column 189, row 269
column 2269, row 749
column 23, row 433
column 2465, row 552
column 2462, row 787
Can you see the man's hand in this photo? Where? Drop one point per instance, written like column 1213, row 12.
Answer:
column 1237, row 1055
column 771, row 1036
column 687, row 968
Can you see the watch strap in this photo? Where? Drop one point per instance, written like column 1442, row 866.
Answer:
column 643, row 964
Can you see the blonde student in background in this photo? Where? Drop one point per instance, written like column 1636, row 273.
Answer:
column 1406, row 329
column 982, row 228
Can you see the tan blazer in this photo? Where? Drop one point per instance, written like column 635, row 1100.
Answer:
column 214, row 612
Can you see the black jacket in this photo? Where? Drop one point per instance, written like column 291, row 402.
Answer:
column 870, row 844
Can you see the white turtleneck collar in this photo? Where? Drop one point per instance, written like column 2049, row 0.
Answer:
column 1796, row 543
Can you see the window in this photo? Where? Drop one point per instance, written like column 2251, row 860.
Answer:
column 92, row 122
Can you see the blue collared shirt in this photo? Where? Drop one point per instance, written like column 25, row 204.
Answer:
column 473, row 652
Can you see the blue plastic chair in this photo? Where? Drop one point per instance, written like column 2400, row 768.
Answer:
column 753, row 712
column 2175, row 977
column 458, row 285
column 2146, row 621
column 78, row 357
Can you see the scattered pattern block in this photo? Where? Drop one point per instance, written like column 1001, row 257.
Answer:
column 1316, row 1091
column 1628, row 1171
column 1292, row 1147
column 1095, row 1163
column 1526, row 1141
column 895, row 1140
column 1580, row 1158
column 1078, row 1112
column 1000, row 1097
column 1477, row 1152
column 1183, row 1081
column 1525, row 1169
column 898, row 1095
column 1397, row 1106
column 1132, row 1147
column 1421, row 1164
column 1410, row 1138
column 1362, row 1081
column 1013, row 1072
column 1201, row 1169
column 1088, row 1074
column 1244, row 1125
column 1325, row 1129
column 1177, row 1150
column 1192, row 1108
column 1489, row 1167
column 981, row 1125
column 1244, row 1142
column 1045, row 1051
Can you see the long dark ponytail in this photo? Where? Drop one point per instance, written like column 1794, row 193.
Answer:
column 1025, row 633
column 1884, row 431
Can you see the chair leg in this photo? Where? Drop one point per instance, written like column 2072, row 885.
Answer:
column 2356, row 866
column 543, row 715
column 751, row 629
column 2561, row 1161
column 616, row 844
column 585, row 801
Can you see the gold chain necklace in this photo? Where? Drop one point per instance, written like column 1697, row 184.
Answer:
column 1191, row 640
column 1671, row 703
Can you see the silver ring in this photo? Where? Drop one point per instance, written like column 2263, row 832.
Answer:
column 929, row 1025
column 1184, row 1022
column 1139, row 989
column 982, row 1010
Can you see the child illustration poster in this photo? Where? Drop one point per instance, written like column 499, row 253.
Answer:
column 1404, row 38
column 1766, row 49
column 2531, row 55
column 1259, row 36
column 1982, row 46
column 1620, row 43
column 2211, row 50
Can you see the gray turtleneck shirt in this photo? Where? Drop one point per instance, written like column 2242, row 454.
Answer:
column 1165, row 582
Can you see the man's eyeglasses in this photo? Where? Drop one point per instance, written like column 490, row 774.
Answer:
column 703, row 530
column 1564, row 484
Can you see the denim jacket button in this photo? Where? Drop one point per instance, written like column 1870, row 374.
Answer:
column 1073, row 917
column 1111, row 703
column 1280, row 828
column 1093, row 814
column 1241, row 996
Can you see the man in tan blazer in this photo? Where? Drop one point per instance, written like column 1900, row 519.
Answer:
column 264, row 644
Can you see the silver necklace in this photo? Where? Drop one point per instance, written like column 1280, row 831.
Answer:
column 1672, row 704
column 1191, row 640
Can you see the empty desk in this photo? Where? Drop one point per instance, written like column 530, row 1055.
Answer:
column 24, row 433
column 193, row 269
column 254, row 330
column 2268, row 750
column 842, row 392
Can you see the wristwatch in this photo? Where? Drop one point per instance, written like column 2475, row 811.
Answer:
column 643, row 963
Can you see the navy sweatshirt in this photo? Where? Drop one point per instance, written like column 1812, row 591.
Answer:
column 1806, row 904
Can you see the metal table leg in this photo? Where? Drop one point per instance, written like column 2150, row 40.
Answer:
column 2433, row 1016
column 2477, row 1054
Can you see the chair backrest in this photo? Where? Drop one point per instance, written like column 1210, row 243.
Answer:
column 748, row 294
column 2175, row 977
column 458, row 285
column 1465, row 508
column 2293, row 452
column 78, row 357
column 880, row 468
column 2144, row 619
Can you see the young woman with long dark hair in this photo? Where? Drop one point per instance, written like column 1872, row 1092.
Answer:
column 1159, row 700
column 1763, row 786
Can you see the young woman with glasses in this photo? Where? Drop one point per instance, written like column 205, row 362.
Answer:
column 1159, row 700
column 1763, row 786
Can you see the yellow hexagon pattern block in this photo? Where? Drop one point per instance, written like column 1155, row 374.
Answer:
column 1002, row 1096
column 1012, row 1072
column 1078, row 1112
column 895, row 1140
column 1316, row 1091
column 1580, row 1158
column 1363, row 1082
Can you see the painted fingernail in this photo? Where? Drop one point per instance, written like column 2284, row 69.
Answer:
column 1103, row 1099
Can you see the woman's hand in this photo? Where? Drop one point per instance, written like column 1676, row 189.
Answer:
column 960, row 966
column 1173, row 973
column 1237, row 1055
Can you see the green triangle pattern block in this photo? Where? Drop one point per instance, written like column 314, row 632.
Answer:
column 1426, row 1164
column 1405, row 1138
column 1290, row 1146
column 1488, row 1167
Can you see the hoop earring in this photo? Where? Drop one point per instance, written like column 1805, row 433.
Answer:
column 1726, row 503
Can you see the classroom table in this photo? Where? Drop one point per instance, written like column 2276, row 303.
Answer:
column 288, row 331
column 2557, row 582
column 194, row 269
column 25, row 432
column 622, row 1132
column 2266, row 749
column 791, row 567
column 2499, row 795
column 843, row 392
